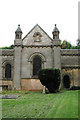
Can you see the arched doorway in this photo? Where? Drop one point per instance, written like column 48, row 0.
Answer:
column 37, row 65
column 8, row 71
column 66, row 81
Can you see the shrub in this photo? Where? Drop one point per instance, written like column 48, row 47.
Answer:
column 75, row 88
column 50, row 78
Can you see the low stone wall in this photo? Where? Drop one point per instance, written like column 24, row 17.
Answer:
column 31, row 84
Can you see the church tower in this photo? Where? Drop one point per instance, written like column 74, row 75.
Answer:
column 17, row 58
column 56, row 48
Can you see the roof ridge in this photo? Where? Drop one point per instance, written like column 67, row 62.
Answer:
column 34, row 28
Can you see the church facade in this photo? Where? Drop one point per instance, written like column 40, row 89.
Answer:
column 37, row 50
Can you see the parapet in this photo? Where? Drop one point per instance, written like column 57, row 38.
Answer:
column 7, row 52
column 70, row 52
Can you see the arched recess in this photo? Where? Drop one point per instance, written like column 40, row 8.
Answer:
column 37, row 64
column 66, row 80
column 37, row 61
column 66, row 76
column 36, row 54
column 7, row 69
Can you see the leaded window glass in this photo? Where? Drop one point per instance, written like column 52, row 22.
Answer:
column 36, row 65
column 8, row 71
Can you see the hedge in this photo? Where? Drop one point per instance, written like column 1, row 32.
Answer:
column 50, row 78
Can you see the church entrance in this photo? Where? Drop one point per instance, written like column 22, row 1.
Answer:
column 66, row 81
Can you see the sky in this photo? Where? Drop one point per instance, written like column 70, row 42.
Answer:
column 46, row 13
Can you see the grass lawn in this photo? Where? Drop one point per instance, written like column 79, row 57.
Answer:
column 37, row 105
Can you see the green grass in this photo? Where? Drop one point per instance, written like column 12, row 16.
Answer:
column 38, row 105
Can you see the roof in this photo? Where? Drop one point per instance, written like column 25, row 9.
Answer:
column 34, row 28
column 18, row 29
column 55, row 29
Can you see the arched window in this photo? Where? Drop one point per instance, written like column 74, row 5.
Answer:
column 37, row 64
column 8, row 71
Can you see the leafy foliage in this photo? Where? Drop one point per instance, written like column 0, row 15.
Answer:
column 10, row 47
column 66, row 45
column 50, row 78
column 78, row 44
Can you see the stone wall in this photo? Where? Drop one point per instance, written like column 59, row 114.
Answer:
column 28, row 53
column 29, row 39
column 69, row 58
column 0, row 71
column 7, row 58
column 31, row 84
column 70, row 52
column 0, row 64
column 6, row 83
column 73, row 74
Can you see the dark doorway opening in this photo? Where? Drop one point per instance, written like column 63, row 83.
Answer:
column 37, row 63
column 66, row 81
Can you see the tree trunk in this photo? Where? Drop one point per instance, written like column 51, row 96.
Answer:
column 44, row 89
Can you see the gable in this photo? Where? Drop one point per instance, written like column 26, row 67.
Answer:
column 37, row 36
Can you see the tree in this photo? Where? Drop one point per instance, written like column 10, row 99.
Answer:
column 66, row 45
column 50, row 78
column 78, row 44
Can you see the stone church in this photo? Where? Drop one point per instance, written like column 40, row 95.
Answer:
column 37, row 50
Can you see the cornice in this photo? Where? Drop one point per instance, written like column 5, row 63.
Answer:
column 71, row 66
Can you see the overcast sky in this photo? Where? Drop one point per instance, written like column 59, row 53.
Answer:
column 46, row 13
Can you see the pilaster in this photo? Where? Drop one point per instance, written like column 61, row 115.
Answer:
column 17, row 59
column 17, row 67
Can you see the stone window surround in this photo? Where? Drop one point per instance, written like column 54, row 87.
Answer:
column 36, row 61
column 3, row 70
column 31, row 61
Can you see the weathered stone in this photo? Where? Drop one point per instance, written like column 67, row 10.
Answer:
column 9, row 96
